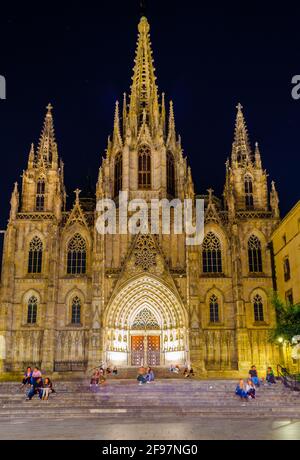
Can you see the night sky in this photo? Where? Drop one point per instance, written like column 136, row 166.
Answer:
column 80, row 57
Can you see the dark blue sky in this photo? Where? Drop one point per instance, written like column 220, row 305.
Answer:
column 80, row 57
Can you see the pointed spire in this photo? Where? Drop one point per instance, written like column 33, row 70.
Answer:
column 257, row 156
column 117, row 132
column 274, row 201
column 47, row 149
column 172, row 126
column 14, row 202
column 124, row 113
column 163, row 112
column 241, row 151
column 144, row 89
column 31, row 159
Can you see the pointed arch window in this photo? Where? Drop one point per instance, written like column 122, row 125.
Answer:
column 255, row 255
column 144, row 168
column 170, row 174
column 287, row 269
column 118, row 174
column 214, row 314
column 32, row 310
column 35, row 257
column 40, row 195
column 249, row 200
column 211, row 254
column 76, row 258
column 76, row 311
column 258, row 308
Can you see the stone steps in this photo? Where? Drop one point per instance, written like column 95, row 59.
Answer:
column 163, row 398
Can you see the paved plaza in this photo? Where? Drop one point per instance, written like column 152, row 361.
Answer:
column 164, row 410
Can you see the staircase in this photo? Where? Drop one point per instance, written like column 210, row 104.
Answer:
column 160, row 400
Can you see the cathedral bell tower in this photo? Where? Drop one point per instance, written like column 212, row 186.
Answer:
column 43, row 181
column 144, row 156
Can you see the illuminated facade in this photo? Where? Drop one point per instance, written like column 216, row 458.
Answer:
column 72, row 298
column 286, row 246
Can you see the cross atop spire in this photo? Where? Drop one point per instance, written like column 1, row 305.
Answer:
column 77, row 193
column 49, row 108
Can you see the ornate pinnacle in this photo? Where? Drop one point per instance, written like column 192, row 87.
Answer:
column 77, row 193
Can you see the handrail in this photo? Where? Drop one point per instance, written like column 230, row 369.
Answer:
column 289, row 380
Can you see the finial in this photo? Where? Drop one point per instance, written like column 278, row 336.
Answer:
column 210, row 195
column 49, row 109
column 144, row 26
column 239, row 107
column 77, row 193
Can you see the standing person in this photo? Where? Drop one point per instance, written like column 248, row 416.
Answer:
column 240, row 390
column 250, row 389
column 27, row 377
column 254, row 376
column 270, row 377
column 36, row 388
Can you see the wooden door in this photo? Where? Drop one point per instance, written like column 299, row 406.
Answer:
column 137, row 350
column 153, row 351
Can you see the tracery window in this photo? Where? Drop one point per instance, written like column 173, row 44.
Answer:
column 258, row 308
column 254, row 255
column 170, row 174
column 40, row 195
column 35, row 256
column 249, row 201
column 214, row 309
column 76, row 259
column 32, row 310
column 76, row 311
column 211, row 254
column 118, row 174
column 145, row 320
column 144, row 168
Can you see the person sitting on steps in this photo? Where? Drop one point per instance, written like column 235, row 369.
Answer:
column 250, row 389
column 240, row 390
column 150, row 375
column 254, row 376
column 35, row 389
column 141, row 378
column 47, row 389
column 270, row 377
column 27, row 377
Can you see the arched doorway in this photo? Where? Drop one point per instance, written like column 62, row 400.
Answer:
column 146, row 324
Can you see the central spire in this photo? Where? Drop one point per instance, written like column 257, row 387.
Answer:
column 144, row 92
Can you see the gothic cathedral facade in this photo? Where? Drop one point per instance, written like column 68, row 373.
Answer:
column 72, row 298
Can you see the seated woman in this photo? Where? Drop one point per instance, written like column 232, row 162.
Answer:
column 270, row 378
column 186, row 373
column 36, row 374
column 141, row 378
column 115, row 371
column 47, row 389
column 240, row 390
column 150, row 375
column 250, row 389
column 95, row 377
column 27, row 377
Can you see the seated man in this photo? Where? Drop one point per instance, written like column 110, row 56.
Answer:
column 36, row 388
column 240, row 390
column 141, row 378
column 254, row 376
column 270, row 377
